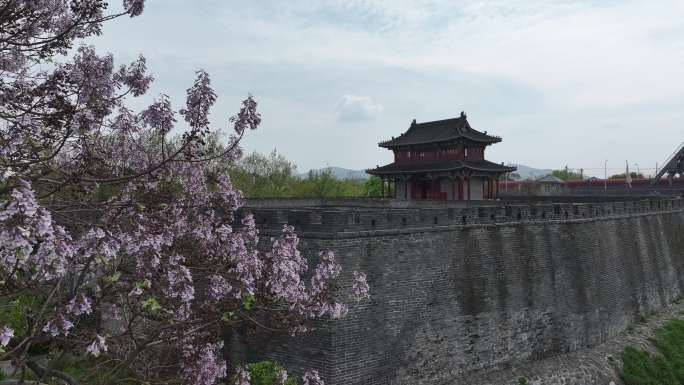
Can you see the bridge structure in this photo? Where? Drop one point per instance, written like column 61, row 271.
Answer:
column 674, row 165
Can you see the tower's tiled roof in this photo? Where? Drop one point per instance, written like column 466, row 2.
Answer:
column 435, row 166
column 439, row 131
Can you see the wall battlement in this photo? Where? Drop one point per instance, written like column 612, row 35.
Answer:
column 343, row 217
column 457, row 289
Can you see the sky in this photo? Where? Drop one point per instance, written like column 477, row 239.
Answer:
column 564, row 82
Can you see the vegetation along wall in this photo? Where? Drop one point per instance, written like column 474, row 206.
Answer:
column 461, row 289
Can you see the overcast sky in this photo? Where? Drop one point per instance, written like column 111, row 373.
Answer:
column 563, row 82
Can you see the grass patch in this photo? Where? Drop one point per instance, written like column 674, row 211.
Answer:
column 665, row 368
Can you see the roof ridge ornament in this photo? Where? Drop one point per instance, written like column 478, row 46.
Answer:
column 463, row 114
column 413, row 122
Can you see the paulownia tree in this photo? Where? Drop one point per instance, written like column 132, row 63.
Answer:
column 118, row 241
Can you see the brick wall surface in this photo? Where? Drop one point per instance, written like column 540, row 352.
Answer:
column 462, row 289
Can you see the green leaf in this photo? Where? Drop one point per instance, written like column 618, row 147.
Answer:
column 228, row 316
column 114, row 277
column 151, row 305
column 248, row 301
column 16, row 311
column 100, row 259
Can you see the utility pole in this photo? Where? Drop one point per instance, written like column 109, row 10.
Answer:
column 605, row 176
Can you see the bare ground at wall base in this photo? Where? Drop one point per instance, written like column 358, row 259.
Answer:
column 599, row 365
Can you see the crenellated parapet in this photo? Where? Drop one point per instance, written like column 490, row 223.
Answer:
column 350, row 217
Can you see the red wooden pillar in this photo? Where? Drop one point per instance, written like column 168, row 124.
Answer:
column 468, row 187
column 453, row 188
column 490, row 188
column 460, row 189
column 406, row 186
column 434, row 190
column 496, row 195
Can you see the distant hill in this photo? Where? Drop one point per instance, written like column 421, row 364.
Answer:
column 525, row 172
column 339, row 173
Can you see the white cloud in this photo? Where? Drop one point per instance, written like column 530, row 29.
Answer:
column 533, row 71
column 354, row 108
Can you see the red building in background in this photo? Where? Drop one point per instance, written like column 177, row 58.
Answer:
column 594, row 186
column 443, row 159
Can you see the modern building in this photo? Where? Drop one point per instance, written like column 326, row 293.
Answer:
column 442, row 160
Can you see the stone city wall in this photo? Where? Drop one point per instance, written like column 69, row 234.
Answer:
column 462, row 289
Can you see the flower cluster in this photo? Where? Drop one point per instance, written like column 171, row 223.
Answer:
column 31, row 245
column 202, row 364
column 58, row 325
column 97, row 346
column 80, row 304
column 6, row 334
column 242, row 377
column 219, row 288
column 360, row 289
column 179, row 280
column 248, row 117
column 311, row 377
column 134, row 7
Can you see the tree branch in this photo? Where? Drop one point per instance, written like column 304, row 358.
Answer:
column 47, row 372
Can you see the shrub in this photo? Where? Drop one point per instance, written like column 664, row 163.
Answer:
column 266, row 373
column 666, row 368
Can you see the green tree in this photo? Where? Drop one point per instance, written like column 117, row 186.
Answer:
column 262, row 176
column 372, row 187
column 566, row 175
column 325, row 185
column 633, row 174
column 273, row 175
